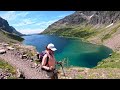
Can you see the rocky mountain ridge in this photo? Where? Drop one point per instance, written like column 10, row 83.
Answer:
column 86, row 17
column 4, row 25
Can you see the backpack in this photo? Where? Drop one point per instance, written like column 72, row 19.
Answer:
column 41, row 55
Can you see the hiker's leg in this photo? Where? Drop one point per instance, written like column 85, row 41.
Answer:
column 55, row 74
column 46, row 74
column 50, row 75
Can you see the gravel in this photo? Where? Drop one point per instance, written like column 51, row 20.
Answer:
column 13, row 58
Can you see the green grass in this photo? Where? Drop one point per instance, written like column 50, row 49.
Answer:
column 86, row 32
column 15, row 37
column 7, row 37
column 111, row 62
column 80, row 77
column 5, row 66
column 79, row 31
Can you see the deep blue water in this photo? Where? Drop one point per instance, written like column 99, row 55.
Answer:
column 74, row 51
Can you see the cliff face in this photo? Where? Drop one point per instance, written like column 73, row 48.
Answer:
column 5, row 26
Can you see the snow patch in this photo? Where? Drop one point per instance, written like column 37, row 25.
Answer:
column 109, row 25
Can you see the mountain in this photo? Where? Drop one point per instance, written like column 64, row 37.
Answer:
column 94, row 26
column 8, row 33
column 5, row 26
column 14, row 31
column 88, row 17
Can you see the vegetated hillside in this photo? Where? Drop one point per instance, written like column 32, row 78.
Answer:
column 8, row 37
column 9, row 33
column 94, row 26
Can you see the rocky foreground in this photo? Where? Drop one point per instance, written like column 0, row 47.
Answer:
column 24, row 64
column 23, row 58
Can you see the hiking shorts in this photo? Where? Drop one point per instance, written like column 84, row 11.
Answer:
column 51, row 74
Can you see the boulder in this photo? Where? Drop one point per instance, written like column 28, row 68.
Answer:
column 2, row 51
column 34, row 65
column 24, row 57
column 5, row 45
column 10, row 48
column 18, row 73
column 110, row 54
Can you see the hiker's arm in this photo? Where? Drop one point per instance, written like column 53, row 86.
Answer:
column 44, row 62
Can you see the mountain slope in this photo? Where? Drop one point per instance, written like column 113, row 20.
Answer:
column 8, row 37
column 94, row 26
column 9, row 33
column 5, row 26
column 87, row 17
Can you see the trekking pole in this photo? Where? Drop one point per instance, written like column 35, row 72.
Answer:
column 63, row 70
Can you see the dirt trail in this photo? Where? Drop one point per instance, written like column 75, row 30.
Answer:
column 24, row 65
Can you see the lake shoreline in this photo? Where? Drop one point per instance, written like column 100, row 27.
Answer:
column 95, row 42
column 83, row 40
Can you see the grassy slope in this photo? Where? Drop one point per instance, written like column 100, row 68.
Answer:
column 7, row 37
column 112, row 62
column 97, row 33
column 7, row 67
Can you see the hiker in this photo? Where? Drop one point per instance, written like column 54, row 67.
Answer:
column 49, row 62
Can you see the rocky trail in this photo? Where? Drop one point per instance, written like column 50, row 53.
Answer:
column 24, row 65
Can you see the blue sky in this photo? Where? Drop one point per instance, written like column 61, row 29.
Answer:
column 30, row 22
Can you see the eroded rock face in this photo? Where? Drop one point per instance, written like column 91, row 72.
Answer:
column 87, row 17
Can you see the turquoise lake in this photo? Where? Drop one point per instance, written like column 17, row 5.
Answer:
column 74, row 51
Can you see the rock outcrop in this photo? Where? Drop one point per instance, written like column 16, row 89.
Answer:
column 4, row 25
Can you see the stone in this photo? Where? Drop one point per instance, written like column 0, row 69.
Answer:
column 34, row 65
column 18, row 73
column 2, row 51
column 10, row 48
column 5, row 45
column 24, row 56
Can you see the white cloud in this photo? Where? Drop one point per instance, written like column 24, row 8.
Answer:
column 30, row 31
column 42, row 26
column 23, row 14
column 24, row 22
column 46, row 23
column 12, row 15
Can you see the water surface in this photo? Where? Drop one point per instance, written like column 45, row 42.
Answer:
column 74, row 51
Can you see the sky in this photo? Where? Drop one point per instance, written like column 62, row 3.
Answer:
column 31, row 22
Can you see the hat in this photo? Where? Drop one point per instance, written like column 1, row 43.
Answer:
column 51, row 46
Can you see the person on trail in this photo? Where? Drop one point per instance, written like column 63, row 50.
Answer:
column 49, row 62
